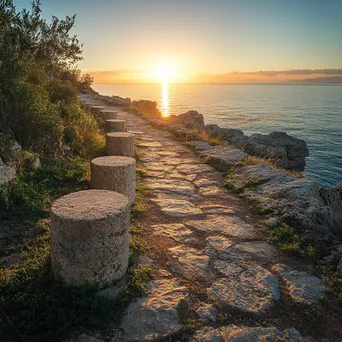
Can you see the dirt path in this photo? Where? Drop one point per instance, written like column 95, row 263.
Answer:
column 213, row 275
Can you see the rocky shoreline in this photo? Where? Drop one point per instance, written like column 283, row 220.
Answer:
column 257, row 169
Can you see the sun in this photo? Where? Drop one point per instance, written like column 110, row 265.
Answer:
column 165, row 71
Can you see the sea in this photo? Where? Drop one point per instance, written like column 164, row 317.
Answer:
column 312, row 112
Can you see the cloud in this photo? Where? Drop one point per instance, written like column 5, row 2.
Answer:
column 261, row 76
column 272, row 76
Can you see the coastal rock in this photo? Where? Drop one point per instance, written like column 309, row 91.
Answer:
column 303, row 287
column 224, row 155
column 191, row 119
column 15, row 151
column 147, row 106
column 7, row 173
column 212, row 128
column 155, row 316
column 233, row 136
column 182, row 132
column 297, row 202
column 221, row 154
column 234, row 333
column 249, row 288
column 286, row 151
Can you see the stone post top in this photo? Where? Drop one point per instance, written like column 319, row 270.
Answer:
column 89, row 205
column 120, row 134
column 115, row 120
column 113, row 161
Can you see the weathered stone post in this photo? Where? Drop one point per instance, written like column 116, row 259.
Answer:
column 108, row 114
column 114, row 173
column 89, row 237
column 120, row 144
column 115, row 126
column 97, row 109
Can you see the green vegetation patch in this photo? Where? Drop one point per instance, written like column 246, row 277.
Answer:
column 288, row 239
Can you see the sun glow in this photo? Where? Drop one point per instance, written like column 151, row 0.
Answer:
column 165, row 71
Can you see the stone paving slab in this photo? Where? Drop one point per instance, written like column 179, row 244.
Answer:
column 170, row 185
column 190, row 263
column 155, row 316
column 245, row 287
column 249, row 250
column 178, row 208
column 176, row 231
column 226, row 225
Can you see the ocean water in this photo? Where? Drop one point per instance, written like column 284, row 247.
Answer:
column 312, row 112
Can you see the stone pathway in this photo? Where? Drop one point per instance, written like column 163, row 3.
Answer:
column 204, row 247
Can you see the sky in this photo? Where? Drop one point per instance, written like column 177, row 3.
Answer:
column 204, row 40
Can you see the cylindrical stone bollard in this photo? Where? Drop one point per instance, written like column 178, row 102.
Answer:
column 120, row 144
column 97, row 109
column 89, row 237
column 115, row 126
column 109, row 114
column 114, row 173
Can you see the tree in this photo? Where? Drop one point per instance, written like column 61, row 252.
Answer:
column 39, row 78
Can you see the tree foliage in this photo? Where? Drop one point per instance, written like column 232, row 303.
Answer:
column 39, row 80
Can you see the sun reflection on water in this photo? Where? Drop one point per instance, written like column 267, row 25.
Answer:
column 165, row 108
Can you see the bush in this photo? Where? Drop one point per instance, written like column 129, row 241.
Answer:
column 39, row 82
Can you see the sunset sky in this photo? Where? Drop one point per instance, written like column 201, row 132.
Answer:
column 204, row 41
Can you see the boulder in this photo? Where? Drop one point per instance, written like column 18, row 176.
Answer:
column 286, row 151
column 147, row 106
column 15, row 150
column 303, row 288
column 222, row 154
column 191, row 119
column 300, row 203
column 234, row 136
column 7, row 173
column 212, row 128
